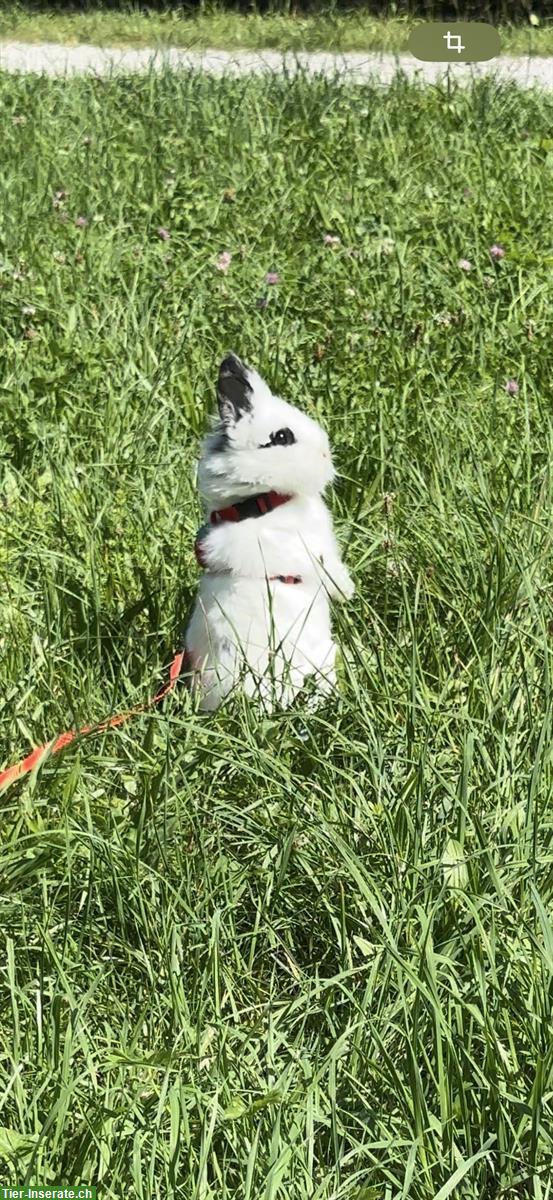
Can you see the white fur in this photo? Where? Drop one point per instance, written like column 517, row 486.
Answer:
column 247, row 630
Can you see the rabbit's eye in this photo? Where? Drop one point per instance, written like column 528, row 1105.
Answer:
column 282, row 437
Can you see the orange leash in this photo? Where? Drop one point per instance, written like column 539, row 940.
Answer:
column 22, row 768
column 253, row 506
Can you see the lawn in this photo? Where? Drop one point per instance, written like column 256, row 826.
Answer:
column 212, row 25
column 304, row 957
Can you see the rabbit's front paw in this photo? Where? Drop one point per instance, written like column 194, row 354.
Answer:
column 342, row 586
column 337, row 580
column 346, row 586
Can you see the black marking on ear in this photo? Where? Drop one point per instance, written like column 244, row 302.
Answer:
column 234, row 394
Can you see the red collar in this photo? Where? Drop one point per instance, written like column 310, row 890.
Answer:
column 253, row 506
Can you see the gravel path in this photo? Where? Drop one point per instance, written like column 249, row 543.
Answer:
column 53, row 59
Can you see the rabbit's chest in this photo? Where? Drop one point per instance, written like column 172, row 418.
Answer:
column 256, row 609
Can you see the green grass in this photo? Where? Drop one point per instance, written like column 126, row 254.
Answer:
column 216, row 27
column 305, row 957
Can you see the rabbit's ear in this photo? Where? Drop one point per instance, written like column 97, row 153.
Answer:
column 234, row 391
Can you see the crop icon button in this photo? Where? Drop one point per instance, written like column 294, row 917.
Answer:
column 458, row 41
column 453, row 41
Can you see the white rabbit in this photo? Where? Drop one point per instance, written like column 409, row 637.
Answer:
column 271, row 561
